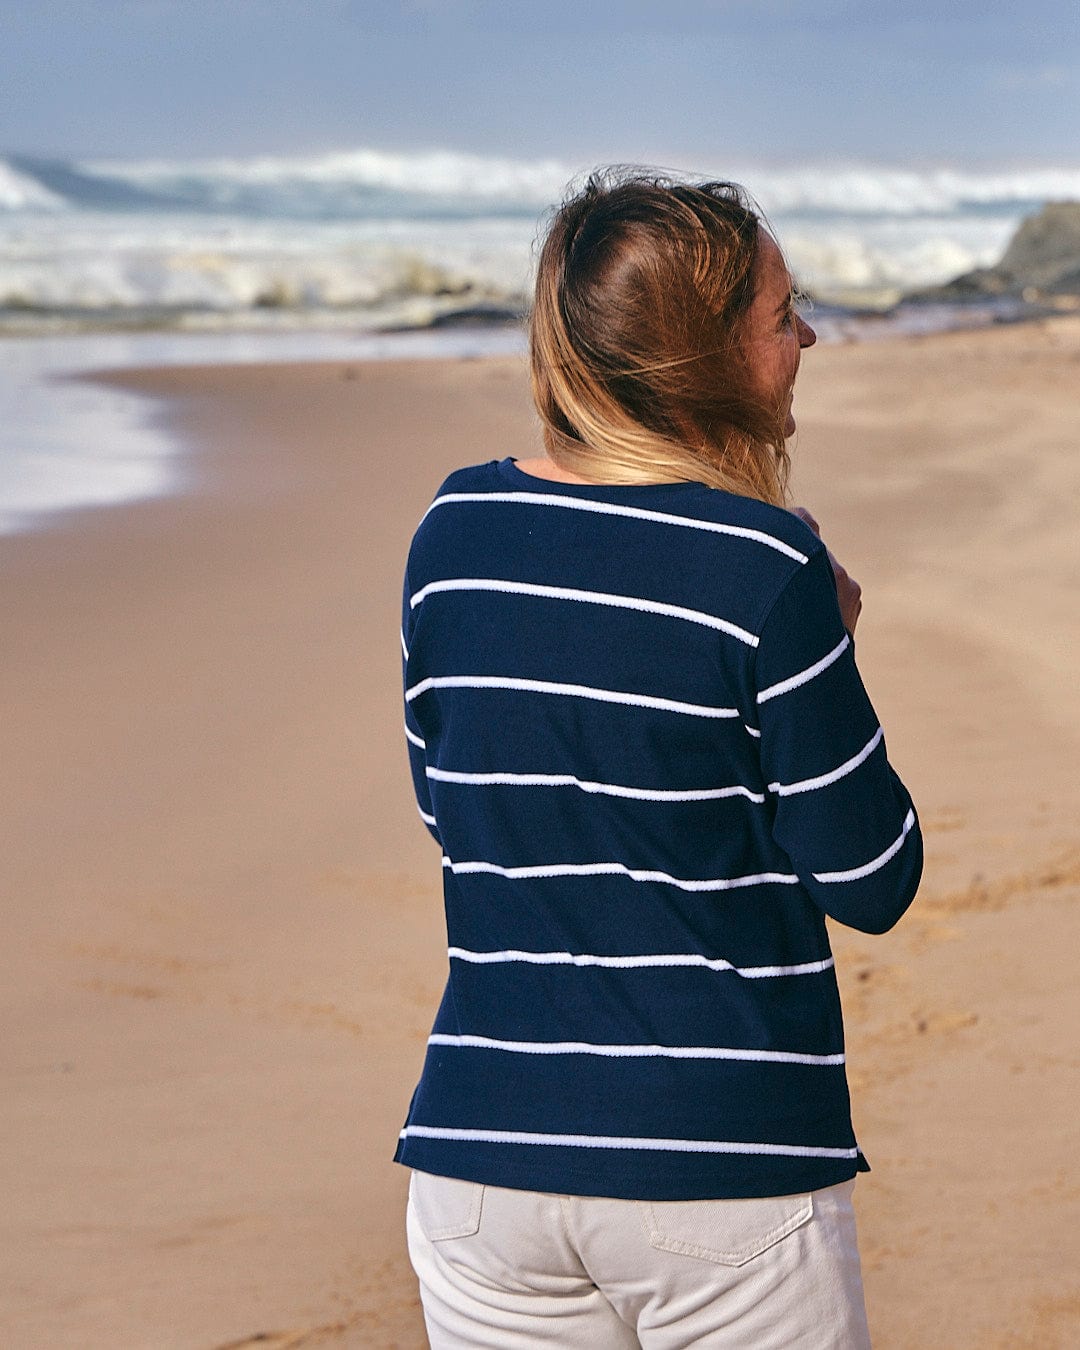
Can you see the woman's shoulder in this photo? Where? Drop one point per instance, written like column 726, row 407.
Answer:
column 462, row 484
column 766, row 545
column 484, row 473
column 749, row 513
column 470, row 478
column 706, row 513
column 683, row 499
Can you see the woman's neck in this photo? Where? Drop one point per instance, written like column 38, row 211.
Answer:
column 541, row 467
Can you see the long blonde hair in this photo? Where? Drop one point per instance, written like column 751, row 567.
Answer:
column 638, row 364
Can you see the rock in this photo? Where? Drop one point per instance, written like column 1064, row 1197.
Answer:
column 1045, row 250
column 1066, row 284
column 977, row 285
column 1042, row 260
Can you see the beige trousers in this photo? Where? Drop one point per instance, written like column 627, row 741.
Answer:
column 504, row 1269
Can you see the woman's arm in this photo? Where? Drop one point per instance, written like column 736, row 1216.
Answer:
column 414, row 735
column 842, row 815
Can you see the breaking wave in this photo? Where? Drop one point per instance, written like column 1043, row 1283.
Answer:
column 348, row 184
column 377, row 239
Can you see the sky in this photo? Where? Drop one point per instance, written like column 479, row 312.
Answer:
column 782, row 82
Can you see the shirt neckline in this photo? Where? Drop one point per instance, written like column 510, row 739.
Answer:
column 508, row 469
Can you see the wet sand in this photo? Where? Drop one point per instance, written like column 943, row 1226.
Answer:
column 224, row 929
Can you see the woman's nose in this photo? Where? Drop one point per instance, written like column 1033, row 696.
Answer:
column 807, row 336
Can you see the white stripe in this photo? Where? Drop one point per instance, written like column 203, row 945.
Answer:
column 604, row 789
column 848, row 766
column 428, row 820
column 634, row 512
column 633, row 1051
column 602, row 869
column 622, row 1141
column 805, row 676
column 752, row 731
column 411, row 735
column 585, row 597
column 569, row 690
column 404, row 649
column 655, row 960
column 857, row 873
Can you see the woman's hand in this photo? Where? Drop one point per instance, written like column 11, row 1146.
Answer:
column 848, row 590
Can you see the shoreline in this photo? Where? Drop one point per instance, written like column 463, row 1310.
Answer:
column 60, row 405
column 226, row 943
column 50, row 384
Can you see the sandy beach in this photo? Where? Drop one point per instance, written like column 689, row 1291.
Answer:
column 224, row 934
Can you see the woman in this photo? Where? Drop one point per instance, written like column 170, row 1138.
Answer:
column 639, row 736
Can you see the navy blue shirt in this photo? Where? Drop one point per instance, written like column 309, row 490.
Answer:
column 639, row 736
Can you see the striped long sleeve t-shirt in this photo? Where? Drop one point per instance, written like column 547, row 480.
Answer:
column 638, row 734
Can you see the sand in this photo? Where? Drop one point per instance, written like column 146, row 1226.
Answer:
column 223, row 929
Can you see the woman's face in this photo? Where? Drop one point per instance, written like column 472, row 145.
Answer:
column 775, row 332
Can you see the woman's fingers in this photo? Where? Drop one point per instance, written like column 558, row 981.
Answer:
column 848, row 590
column 849, row 594
column 805, row 516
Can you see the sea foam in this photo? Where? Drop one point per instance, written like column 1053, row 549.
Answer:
column 378, row 240
column 345, row 182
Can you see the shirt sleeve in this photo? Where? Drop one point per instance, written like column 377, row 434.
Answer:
column 414, row 736
column 842, row 815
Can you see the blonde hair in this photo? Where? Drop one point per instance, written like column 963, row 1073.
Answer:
column 639, row 369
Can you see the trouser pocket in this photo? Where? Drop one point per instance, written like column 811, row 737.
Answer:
column 445, row 1207
column 729, row 1232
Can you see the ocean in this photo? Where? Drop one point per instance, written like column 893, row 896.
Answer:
column 382, row 240
column 363, row 254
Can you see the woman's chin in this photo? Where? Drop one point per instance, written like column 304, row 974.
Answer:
column 789, row 425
